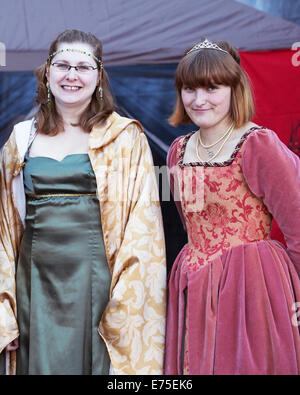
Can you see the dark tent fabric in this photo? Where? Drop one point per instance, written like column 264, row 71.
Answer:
column 17, row 93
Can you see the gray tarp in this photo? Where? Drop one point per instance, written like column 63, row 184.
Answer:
column 137, row 31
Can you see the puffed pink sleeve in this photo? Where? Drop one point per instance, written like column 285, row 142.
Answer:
column 272, row 172
column 172, row 161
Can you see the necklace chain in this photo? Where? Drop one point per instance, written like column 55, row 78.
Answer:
column 226, row 135
column 216, row 142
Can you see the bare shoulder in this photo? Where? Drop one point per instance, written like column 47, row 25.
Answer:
column 245, row 128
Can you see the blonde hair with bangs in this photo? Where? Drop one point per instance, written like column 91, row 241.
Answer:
column 210, row 67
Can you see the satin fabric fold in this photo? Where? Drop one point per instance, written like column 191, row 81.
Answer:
column 243, row 323
column 63, row 279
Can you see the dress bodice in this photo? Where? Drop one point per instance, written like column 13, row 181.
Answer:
column 73, row 174
column 219, row 209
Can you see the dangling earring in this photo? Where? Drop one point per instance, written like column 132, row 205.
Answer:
column 49, row 96
column 100, row 82
column 101, row 93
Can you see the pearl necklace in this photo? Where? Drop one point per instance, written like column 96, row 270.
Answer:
column 221, row 138
column 212, row 156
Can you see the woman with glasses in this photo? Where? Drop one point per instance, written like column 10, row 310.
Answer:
column 82, row 279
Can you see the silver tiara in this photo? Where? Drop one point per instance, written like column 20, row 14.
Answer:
column 206, row 44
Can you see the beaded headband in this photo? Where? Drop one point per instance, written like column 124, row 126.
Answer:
column 85, row 53
column 75, row 50
column 206, row 44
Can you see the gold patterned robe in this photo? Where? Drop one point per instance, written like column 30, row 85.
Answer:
column 133, row 323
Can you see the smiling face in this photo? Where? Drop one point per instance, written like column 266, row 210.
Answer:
column 207, row 107
column 72, row 88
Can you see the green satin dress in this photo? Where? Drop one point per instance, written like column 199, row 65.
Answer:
column 63, row 279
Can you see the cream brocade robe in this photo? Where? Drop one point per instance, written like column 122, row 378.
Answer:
column 133, row 323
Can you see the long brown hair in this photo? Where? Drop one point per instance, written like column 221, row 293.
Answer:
column 206, row 68
column 48, row 121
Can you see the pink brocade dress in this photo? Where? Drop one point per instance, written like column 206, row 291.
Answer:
column 234, row 294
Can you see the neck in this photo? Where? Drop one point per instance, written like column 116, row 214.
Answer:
column 70, row 113
column 210, row 134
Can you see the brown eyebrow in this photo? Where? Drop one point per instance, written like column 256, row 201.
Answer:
column 79, row 64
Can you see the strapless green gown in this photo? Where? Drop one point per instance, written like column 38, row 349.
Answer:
column 63, row 279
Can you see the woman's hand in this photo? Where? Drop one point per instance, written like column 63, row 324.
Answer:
column 14, row 345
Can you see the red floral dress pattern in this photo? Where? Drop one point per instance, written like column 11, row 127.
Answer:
column 232, row 289
column 230, row 213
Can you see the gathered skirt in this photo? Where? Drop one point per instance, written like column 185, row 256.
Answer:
column 236, row 315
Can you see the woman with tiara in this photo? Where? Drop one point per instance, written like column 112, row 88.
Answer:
column 233, row 292
column 81, row 227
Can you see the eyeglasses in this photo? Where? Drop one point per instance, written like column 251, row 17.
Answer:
column 63, row 67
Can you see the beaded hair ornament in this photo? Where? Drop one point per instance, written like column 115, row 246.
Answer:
column 98, row 60
column 206, row 44
column 74, row 50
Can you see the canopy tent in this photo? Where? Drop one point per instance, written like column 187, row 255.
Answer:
column 135, row 31
column 142, row 43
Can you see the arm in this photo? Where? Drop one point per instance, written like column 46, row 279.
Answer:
column 272, row 172
column 133, row 324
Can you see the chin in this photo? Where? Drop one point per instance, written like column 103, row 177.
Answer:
column 67, row 101
column 202, row 124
